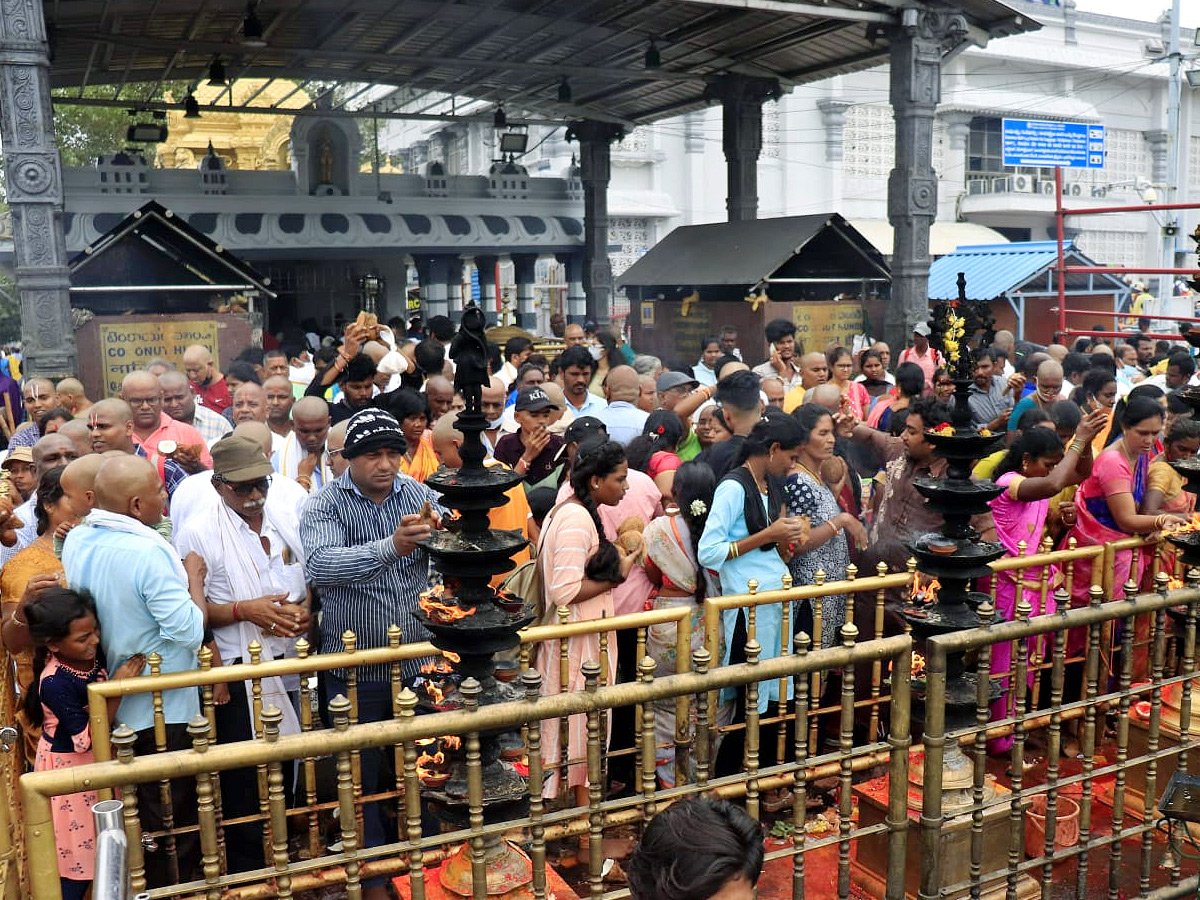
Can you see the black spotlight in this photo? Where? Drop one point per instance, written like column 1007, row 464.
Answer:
column 252, row 29
column 216, row 73
column 564, row 90
column 191, row 109
column 499, row 119
column 653, row 57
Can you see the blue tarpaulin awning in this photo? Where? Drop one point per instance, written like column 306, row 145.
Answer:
column 995, row 269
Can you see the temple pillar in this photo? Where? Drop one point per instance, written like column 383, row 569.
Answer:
column 33, row 179
column 525, row 272
column 433, row 271
column 741, row 98
column 595, row 164
column 456, row 267
column 487, row 287
column 919, row 44
column 573, row 266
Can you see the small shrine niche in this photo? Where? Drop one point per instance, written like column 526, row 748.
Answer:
column 508, row 181
column 212, row 172
column 324, row 156
column 436, row 182
column 123, row 173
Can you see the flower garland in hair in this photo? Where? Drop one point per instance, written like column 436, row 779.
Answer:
column 698, row 508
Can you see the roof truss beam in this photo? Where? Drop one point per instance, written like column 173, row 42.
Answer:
column 822, row 11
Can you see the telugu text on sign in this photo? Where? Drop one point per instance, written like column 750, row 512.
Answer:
column 125, row 348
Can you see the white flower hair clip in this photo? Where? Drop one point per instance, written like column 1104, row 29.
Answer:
column 698, row 507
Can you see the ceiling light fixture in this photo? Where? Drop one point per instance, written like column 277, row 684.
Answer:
column 653, row 57
column 252, row 29
column 216, row 73
column 499, row 118
column 564, row 90
column 191, row 108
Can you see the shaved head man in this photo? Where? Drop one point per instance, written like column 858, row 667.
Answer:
column 148, row 604
column 826, row 395
column 440, row 394
column 249, row 403
column 71, row 396
column 141, row 391
column 622, row 417
column 110, row 423
column 158, row 432
column 79, row 483
column 179, row 402
column 38, row 397
column 208, row 383
column 333, row 449
column 280, row 399
column 302, row 454
column 573, row 336
column 77, row 432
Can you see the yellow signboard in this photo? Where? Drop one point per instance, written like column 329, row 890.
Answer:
column 127, row 347
column 817, row 324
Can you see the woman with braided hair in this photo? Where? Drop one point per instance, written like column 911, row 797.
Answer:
column 579, row 569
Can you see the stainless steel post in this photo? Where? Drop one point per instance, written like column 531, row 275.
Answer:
column 112, row 860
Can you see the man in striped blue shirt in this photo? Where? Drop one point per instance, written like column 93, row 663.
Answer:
column 362, row 538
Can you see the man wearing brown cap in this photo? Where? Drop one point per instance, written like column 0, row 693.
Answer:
column 256, row 591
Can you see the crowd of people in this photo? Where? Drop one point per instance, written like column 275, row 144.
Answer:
column 284, row 496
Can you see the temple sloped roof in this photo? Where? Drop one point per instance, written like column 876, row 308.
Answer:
column 514, row 52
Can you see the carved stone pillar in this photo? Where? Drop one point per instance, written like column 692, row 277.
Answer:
column 432, row 272
column 573, row 265
column 35, row 194
column 741, row 98
column 525, row 272
column 595, row 164
column 918, row 46
column 833, row 117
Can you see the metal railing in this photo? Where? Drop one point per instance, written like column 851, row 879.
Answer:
column 309, row 862
column 415, row 850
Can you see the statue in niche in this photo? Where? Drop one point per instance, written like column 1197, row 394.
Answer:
column 325, row 158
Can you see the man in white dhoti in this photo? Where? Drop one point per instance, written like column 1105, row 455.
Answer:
column 255, row 590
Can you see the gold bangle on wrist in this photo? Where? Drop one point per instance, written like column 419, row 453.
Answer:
column 16, row 620
column 733, row 550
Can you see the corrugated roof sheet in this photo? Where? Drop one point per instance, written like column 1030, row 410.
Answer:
column 995, row 269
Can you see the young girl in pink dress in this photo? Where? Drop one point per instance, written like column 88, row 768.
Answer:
column 1033, row 471
column 66, row 634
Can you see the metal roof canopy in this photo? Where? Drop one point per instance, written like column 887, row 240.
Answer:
column 994, row 270
column 759, row 252
column 153, row 243
column 512, row 52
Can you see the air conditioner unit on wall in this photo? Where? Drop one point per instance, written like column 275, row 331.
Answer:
column 1076, row 190
column 1047, row 187
column 1022, row 184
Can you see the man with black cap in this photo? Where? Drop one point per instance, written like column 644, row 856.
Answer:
column 256, row 591
column 532, row 451
column 362, row 538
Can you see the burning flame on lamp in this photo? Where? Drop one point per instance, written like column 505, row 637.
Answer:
column 1192, row 525
column 920, row 594
column 431, row 604
column 427, row 765
column 918, row 665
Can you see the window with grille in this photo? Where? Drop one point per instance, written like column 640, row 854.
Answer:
column 632, row 238
column 868, row 141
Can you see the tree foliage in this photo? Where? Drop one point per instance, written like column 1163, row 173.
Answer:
column 85, row 132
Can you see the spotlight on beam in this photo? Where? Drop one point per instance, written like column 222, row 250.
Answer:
column 191, row 108
column 252, row 28
column 564, row 90
column 499, row 118
column 653, row 57
column 216, row 73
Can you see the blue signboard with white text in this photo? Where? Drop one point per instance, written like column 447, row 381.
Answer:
column 1070, row 145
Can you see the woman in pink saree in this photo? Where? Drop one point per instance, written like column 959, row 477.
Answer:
column 1033, row 471
column 1109, row 499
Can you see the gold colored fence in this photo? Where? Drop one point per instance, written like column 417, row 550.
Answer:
column 878, row 703
column 415, row 851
